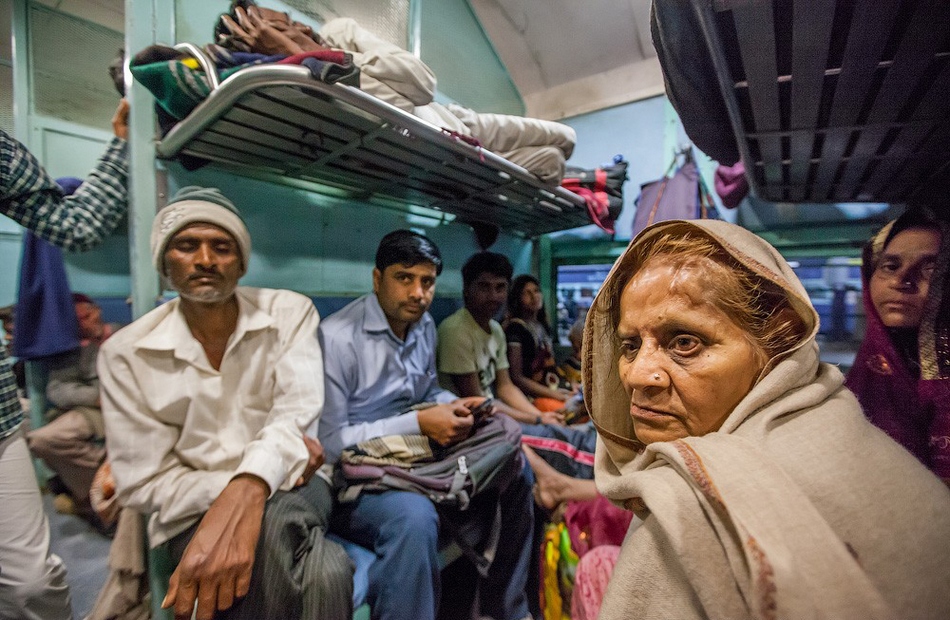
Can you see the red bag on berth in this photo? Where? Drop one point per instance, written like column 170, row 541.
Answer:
column 602, row 188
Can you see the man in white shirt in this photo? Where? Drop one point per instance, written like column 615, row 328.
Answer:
column 211, row 403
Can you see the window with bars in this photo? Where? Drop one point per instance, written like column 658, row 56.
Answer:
column 70, row 59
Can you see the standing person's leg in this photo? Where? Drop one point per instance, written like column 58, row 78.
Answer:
column 68, row 446
column 402, row 528
column 297, row 573
column 32, row 580
column 502, row 592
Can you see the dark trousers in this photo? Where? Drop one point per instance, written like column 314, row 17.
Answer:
column 402, row 528
column 297, row 572
column 570, row 450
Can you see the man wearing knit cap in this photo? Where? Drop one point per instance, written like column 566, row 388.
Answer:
column 211, row 403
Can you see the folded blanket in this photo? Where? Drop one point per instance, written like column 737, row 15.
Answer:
column 179, row 84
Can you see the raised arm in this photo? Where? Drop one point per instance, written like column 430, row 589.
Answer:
column 32, row 198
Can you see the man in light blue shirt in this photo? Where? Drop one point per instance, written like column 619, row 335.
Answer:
column 379, row 360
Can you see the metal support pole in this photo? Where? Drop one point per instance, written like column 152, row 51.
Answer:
column 146, row 23
column 22, row 80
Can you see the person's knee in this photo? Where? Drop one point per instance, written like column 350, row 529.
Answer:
column 336, row 569
column 41, row 442
column 413, row 522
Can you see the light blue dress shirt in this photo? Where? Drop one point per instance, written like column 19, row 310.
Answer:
column 373, row 377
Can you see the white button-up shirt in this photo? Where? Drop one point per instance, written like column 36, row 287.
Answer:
column 178, row 431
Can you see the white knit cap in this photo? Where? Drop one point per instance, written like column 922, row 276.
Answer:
column 192, row 205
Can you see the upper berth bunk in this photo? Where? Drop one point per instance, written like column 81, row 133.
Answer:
column 279, row 123
column 828, row 100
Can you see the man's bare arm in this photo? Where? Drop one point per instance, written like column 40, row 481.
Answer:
column 215, row 568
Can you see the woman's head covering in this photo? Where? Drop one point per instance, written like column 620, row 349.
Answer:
column 796, row 507
column 909, row 398
column 606, row 397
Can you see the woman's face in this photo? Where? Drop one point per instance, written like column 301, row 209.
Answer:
column 531, row 299
column 901, row 280
column 684, row 362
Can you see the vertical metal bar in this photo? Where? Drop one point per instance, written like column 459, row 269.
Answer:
column 542, row 251
column 142, row 21
column 22, row 80
column 415, row 28
column 37, row 375
column 704, row 13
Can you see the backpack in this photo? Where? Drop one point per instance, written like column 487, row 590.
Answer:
column 450, row 476
column 602, row 188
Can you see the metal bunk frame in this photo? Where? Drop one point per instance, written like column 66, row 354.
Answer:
column 280, row 123
column 834, row 101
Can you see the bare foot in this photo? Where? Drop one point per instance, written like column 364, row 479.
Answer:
column 551, row 486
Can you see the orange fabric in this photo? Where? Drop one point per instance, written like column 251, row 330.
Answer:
column 545, row 403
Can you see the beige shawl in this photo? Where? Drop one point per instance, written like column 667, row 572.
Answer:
column 796, row 508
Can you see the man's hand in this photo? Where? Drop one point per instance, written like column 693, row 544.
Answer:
column 449, row 423
column 470, row 402
column 259, row 35
column 120, row 120
column 268, row 37
column 215, row 568
column 313, row 464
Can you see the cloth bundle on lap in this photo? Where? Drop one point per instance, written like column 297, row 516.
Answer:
column 449, row 476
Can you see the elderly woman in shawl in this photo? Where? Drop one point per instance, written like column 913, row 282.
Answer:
column 762, row 489
column 901, row 374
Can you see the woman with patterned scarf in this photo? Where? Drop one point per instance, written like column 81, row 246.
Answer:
column 901, row 374
column 761, row 489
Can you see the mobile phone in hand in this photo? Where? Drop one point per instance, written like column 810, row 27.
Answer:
column 479, row 412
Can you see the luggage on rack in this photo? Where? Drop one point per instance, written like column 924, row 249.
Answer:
column 602, row 188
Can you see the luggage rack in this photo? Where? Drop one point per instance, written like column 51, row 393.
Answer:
column 278, row 123
column 834, row 101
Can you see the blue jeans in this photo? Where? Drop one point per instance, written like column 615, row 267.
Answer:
column 402, row 528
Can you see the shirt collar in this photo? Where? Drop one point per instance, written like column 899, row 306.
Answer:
column 172, row 332
column 375, row 322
